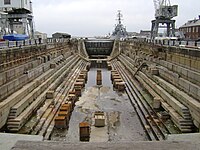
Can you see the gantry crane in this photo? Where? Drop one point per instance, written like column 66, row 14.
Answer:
column 16, row 16
column 164, row 13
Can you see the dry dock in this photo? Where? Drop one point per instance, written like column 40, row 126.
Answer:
column 119, row 93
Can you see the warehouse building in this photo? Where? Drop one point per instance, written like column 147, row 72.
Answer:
column 191, row 29
column 58, row 35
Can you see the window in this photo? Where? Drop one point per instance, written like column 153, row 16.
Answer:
column 7, row 2
column 189, row 29
column 197, row 29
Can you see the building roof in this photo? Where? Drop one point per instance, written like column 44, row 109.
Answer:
column 191, row 23
column 61, row 33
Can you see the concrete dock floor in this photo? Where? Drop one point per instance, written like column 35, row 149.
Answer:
column 164, row 145
column 7, row 141
column 122, row 123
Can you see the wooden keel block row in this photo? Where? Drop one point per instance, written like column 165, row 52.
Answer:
column 121, row 86
column 77, row 91
column 72, row 92
column 81, row 80
column 85, row 72
column 64, row 108
column 99, row 80
column 99, row 77
column 112, row 73
column 117, row 80
column 72, row 98
column 98, row 71
column 79, row 84
column 84, row 131
column 65, row 114
column 109, row 66
column 61, row 122
column 68, row 105
column 115, row 76
column 81, row 76
column 71, row 105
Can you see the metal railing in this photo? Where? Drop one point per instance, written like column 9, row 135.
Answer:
column 179, row 43
column 10, row 44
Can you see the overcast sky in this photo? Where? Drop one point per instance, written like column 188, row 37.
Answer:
column 98, row 17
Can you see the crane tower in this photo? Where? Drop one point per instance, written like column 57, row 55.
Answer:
column 16, row 17
column 164, row 13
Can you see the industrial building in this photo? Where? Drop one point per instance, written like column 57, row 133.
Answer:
column 191, row 29
column 61, row 35
column 39, row 35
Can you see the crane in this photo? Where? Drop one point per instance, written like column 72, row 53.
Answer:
column 16, row 17
column 164, row 12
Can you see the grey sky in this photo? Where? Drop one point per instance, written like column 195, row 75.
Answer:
column 97, row 17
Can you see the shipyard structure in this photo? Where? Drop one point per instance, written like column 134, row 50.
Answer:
column 104, row 90
column 86, row 93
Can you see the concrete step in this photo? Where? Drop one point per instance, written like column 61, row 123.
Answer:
column 55, row 79
column 151, row 86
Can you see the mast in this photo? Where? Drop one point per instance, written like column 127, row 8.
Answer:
column 119, row 17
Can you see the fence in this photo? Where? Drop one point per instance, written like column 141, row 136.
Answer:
column 170, row 42
column 10, row 44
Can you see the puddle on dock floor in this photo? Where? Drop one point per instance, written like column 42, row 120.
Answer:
column 122, row 123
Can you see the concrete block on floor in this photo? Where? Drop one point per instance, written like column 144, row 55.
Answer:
column 99, row 120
